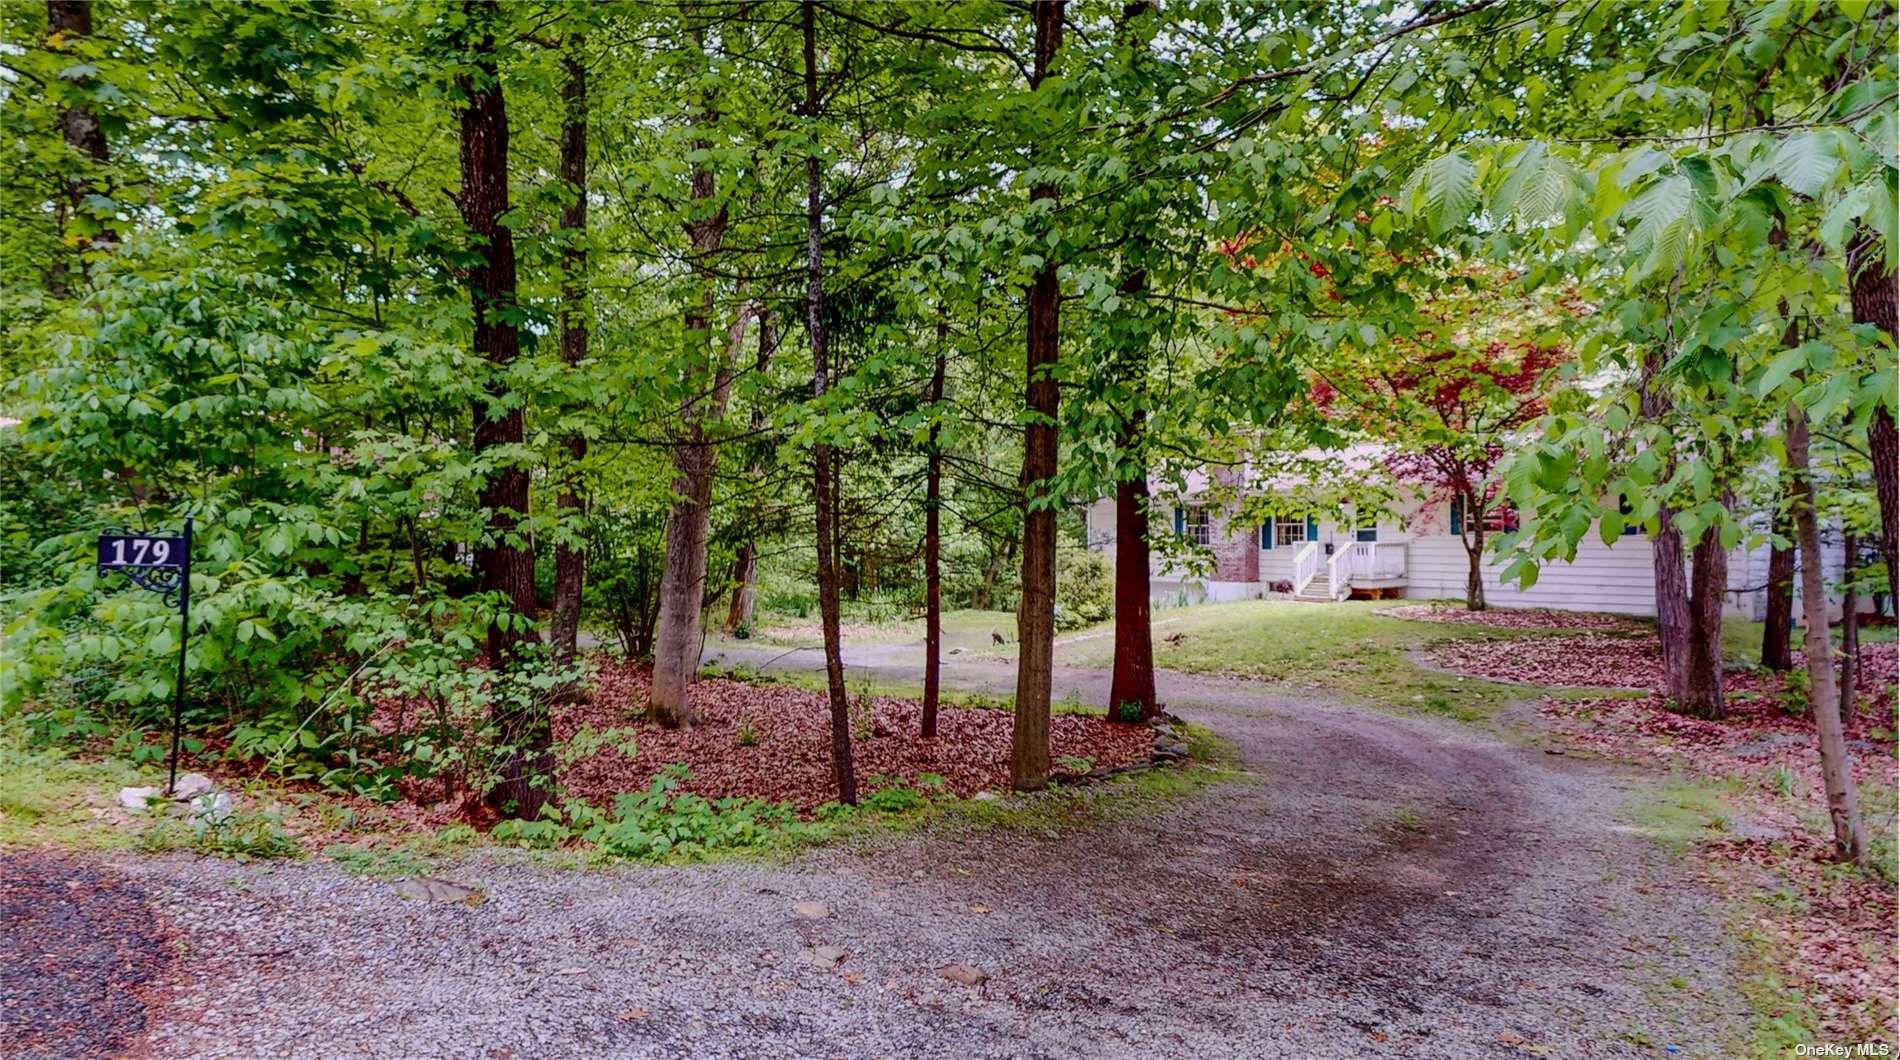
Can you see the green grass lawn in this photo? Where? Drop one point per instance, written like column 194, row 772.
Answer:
column 1741, row 639
column 1347, row 647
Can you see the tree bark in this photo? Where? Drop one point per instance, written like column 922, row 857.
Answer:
column 1672, row 577
column 1850, row 624
column 1035, row 613
column 570, row 556
column 689, row 518
column 1873, row 295
column 1133, row 681
column 503, row 565
column 1776, row 651
column 933, row 550
column 1473, row 539
column 1701, row 693
column 1837, row 767
column 71, row 20
column 688, row 526
column 842, row 768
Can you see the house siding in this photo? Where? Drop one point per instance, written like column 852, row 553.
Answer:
column 1617, row 578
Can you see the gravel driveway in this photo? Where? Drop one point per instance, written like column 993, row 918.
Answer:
column 1372, row 886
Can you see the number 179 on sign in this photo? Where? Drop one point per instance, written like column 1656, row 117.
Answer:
column 140, row 550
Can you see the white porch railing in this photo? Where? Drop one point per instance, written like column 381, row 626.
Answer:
column 1339, row 573
column 1378, row 560
column 1305, row 566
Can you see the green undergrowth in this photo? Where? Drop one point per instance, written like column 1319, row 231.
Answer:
column 50, row 798
column 56, row 798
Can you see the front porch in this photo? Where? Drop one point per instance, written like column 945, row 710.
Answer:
column 1325, row 572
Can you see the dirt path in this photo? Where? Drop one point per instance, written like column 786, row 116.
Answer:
column 1372, row 886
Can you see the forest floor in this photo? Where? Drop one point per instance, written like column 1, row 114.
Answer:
column 1365, row 883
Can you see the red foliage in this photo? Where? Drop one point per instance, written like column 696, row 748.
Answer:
column 790, row 760
column 1586, row 660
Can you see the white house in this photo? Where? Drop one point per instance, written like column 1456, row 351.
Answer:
column 1414, row 552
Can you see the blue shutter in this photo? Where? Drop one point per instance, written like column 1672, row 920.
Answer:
column 1266, row 533
column 1457, row 515
column 1312, row 528
column 1180, row 522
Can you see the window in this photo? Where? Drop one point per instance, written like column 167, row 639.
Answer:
column 1294, row 531
column 1366, row 533
column 1498, row 519
column 1191, row 523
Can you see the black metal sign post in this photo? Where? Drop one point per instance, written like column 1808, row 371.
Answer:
column 162, row 564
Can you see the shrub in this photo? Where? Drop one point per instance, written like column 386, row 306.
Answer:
column 1085, row 589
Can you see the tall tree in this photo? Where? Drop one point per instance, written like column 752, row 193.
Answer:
column 1873, row 298
column 1837, row 766
column 695, row 455
column 1778, row 619
column 570, row 555
column 823, row 484
column 1035, row 616
column 69, row 25
column 503, row 563
column 933, row 545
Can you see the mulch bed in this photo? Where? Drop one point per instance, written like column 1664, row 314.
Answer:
column 1586, row 660
column 791, row 758
column 1758, row 732
column 1514, row 618
column 80, row 951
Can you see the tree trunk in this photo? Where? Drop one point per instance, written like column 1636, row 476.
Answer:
column 933, row 550
column 688, row 525
column 569, row 555
column 1837, row 766
column 1672, row 578
column 1701, row 692
column 1134, row 677
column 842, row 767
column 1474, row 558
column 1035, row 613
column 689, row 518
column 1873, row 296
column 1850, row 624
column 1776, row 653
column 502, row 564
column 71, row 20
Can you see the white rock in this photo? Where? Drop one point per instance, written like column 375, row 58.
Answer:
column 985, row 796
column 811, row 910
column 192, row 785
column 211, row 806
column 135, row 799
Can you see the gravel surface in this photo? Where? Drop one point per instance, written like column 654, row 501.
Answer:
column 1372, row 885
column 79, row 951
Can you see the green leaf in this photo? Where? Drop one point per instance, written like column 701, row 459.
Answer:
column 1807, row 162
